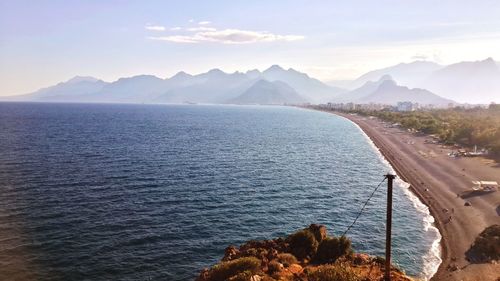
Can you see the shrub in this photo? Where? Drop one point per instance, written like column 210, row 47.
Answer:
column 330, row 249
column 303, row 244
column 287, row 259
column 379, row 260
column 274, row 267
column 237, row 268
column 486, row 247
column 256, row 252
column 242, row 276
column 337, row 272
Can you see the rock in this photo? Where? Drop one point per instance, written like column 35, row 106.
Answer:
column 452, row 267
column 204, row 275
column 467, row 203
column 230, row 253
column 360, row 259
column 255, row 278
column 319, row 231
column 295, row 268
column 272, row 254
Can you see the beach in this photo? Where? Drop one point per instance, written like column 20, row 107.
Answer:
column 443, row 184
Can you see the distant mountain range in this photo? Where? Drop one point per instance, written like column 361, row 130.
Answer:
column 471, row 82
column 272, row 86
column 420, row 81
column 387, row 91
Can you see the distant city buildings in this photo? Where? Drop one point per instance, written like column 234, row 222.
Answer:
column 354, row 106
column 404, row 106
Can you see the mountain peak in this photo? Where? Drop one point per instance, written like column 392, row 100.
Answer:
column 181, row 74
column 274, row 67
column 385, row 78
column 490, row 62
column 215, row 71
column 252, row 71
column 77, row 79
column 269, row 92
column 388, row 83
column 487, row 62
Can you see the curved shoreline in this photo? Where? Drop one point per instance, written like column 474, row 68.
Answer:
column 439, row 182
column 414, row 186
column 417, row 196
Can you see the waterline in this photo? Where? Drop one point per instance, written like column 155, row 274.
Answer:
column 432, row 260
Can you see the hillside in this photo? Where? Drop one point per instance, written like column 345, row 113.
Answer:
column 71, row 90
column 357, row 95
column 268, row 93
column 390, row 93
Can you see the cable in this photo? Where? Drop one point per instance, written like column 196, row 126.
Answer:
column 363, row 208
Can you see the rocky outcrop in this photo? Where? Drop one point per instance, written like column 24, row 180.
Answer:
column 307, row 255
column 486, row 247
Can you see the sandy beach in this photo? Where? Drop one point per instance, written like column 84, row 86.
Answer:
column 442, row 183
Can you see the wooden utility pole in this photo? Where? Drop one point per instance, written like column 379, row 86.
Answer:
column 387, row 276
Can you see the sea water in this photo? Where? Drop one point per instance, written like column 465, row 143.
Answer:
column 157, row 192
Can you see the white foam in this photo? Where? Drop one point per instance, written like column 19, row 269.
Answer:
column 432, row 259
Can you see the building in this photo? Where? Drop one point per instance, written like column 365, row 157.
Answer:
column 406, row 106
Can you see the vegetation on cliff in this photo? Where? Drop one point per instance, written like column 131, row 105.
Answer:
column 307, row 255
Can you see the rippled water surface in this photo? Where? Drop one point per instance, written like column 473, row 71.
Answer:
column 138, row 192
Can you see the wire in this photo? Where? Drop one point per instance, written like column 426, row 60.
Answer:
column 363, row 208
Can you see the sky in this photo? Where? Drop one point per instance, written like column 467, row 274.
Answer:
column 45, row 42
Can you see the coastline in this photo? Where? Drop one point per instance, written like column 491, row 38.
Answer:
column 436, row 181
column 436, row 247
column 418, row 201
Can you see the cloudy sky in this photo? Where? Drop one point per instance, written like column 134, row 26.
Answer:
column 44, row 42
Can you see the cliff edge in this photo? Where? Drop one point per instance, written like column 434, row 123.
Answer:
column 306, row 255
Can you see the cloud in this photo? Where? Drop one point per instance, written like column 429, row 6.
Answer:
column 201, row 28
column 420, row 57
column 434, row 56
column 227, row 36
column 175, row 28
column 236, row 36
column 175, row 39
column 155, row 27
column 204, row 22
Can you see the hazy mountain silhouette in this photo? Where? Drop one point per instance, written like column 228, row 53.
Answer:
column 310, row 88
column 136, row 89
column 388, row 92
column 473, row 82
column 214, row 86
column 265, row 92
column 409, row 74
column 71, row 90
column 358, row 94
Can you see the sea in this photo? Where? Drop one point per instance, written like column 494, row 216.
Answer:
column 157, row 192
